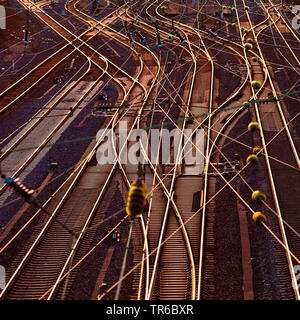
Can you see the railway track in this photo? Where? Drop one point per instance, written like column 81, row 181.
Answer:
column 177, row 271
column 264, row 84
column 46, row 68
column 125, row 171
column 174, row 242
column 273, row 174
column 174, row 280
column 152, row 226
column 35, row 254
column 173, row 274
column 39, row 251
column 48, row 112
column 101, row 63
column 207, row 275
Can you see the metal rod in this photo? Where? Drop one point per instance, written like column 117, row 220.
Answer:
column 124, row 260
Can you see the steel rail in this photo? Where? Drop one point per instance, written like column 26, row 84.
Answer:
column 138, row 126
column 207, row 160
column 273, row 188
column 6, row 152
column 88, row 159
column 37, row 67
column 91, row 214
column 3, row 188
column 67, row 194
column 102, row 30
column 285, row 22
column 100, row 195
column 283, row 119
column 279, row 32
column 170, row 196
column 104, row 59
column 123, row 36
column 208, row 157
column 45, row 114
column 44, row 142
column 6, row 107
column 204, row 46
column 51, row 219
column 62, row 201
